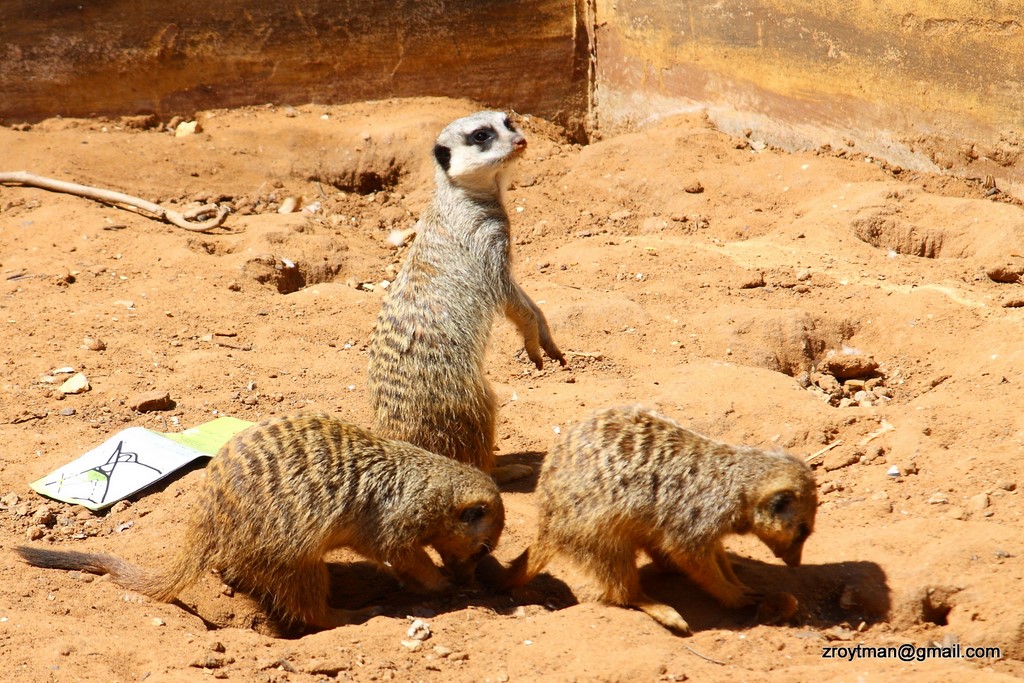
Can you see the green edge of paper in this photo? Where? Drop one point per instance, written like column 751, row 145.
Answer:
column 210, row 436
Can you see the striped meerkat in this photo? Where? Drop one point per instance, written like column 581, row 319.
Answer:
column 282, row 493
column 426, row 369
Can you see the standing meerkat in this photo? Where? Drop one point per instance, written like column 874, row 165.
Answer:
column 629, row 479
column 426, row 370
column 282, row 493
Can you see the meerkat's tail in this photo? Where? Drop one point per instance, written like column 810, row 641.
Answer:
column 162, row 587
column 187, row 567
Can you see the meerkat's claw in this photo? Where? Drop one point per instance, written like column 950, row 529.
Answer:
column 554, row 353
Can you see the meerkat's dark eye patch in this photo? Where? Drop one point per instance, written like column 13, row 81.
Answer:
column 443, row 156
column 781, row 503
column 473, row 514
column 482, row 137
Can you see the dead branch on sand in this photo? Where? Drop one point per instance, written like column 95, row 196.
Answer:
column 181, row 220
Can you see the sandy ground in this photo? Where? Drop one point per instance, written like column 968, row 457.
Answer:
column 822, row 302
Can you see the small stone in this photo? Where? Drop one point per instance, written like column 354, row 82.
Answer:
column 418, row 630
column 442, row 651
column 1007, row 485
column 850, row 365
column 289, row 205
column 620, row 215
column 412, row 645
column 44, row 515
column 1006, row 273
column 67, row 412
column 803, row 275
column 93, row 344
column 893, row 471
column 76, row 384
column 956, row 512
column 979, row 502
column 330, row 668
column 838, row 459
column 209, row 661
column 938, row 499
column 217, row 646
column 35, row 533
column 10, row 500
column 694, row 187
column 458, row 657
column 827, row 383
column 830, row 486
column 187, row 128
column 751, row 281
column 151, row 400
column 909, row 468
column 157, row 621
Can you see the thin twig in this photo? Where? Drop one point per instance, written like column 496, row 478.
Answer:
column 886, row 427
column 705, row 657
column 824, row 450
column 181, row 220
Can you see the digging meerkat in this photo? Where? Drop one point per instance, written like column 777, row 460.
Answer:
column 282, row 493
column 629, row 479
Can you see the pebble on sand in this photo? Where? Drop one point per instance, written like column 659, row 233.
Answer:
column 151, row 400
column 76, row 384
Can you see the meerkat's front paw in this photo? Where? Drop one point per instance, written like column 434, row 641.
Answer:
column 506, row 473
column 737, row 595
column 667, row 617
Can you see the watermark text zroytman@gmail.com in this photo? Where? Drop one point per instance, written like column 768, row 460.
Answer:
column 908, row 652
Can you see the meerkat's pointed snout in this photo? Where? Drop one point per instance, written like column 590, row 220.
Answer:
column 791, row 555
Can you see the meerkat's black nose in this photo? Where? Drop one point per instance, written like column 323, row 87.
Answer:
column 520, row 143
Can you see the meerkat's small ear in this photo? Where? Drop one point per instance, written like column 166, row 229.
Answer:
column 473, row 513
column 443, row 156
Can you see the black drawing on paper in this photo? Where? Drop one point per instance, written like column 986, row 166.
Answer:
column 95, row 481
